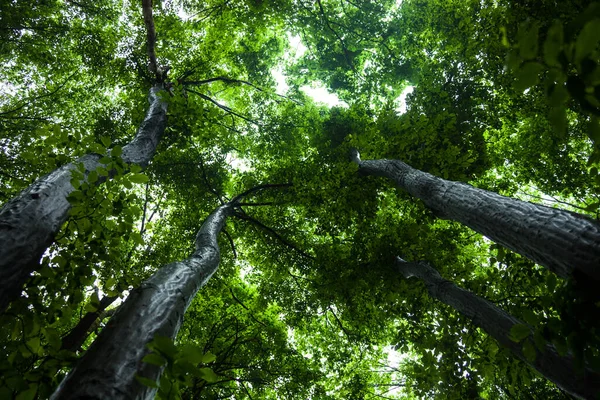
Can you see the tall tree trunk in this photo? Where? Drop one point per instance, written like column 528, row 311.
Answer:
column 109, row 367
column 565, row 242
column 29, row 222
column 498, row 323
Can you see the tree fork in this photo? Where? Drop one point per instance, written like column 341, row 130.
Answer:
column 498, row 323
column 566, row 243
column 30, row 221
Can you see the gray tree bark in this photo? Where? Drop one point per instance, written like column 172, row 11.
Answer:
column 30, row 221
column 565, row 242
column 108, row 368
column 498, row 323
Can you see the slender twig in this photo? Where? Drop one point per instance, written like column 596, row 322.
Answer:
column 230, row 242
column 40, row 96
column 348, row 335
column 270, row 203
column 146, row 200
column 274, row 233
column 258, row 188
column 224, row 107
column 231, row 80
column 208, row 184
column 247, row 309
column 344, row 48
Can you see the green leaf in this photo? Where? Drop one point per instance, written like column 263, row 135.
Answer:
column 116, row 151
column 92, row 177
column 529, row 351
column 208, row 375
column 52, row 337
column 137, row 238
column 519, row 332
column 34, row 344
column 504, row 36
column 587, row 40
column 530, row 317
column 28, row 394
column 553, row 44
column 539, row 340
column 146, row 382
column 560, row 344
column 551, row 282
column 138, row 178
column 594, row 130
column 105, row 141
column 208, row 358
column 75, row 196
column 528, row 76
column 558, row 95
column 528, row 41
column 558, row 120
column 164, row 345
column 154, row 359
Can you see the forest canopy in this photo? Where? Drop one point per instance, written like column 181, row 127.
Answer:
column 183, row 217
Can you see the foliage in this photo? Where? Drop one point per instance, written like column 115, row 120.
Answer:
column 306, row 303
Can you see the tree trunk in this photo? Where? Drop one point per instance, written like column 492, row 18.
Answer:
column 109, row 367
column 565, row 242
column 498, row 323
column 29, row 222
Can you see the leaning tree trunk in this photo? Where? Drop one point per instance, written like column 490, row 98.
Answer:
column 565, row 242
column 29, row 222
column 498, row 323
column 108, row 368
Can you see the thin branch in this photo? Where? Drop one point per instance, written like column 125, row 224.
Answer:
column 230, row 242
column 247, row 309
column 274, row 233
column 555, row 200
column 231, row 80
column 229, row 127
column 348, row 335
column 258, row 188
column 146, row 200
column 344, row 48
column 40, row 96
column 246, row 390
column 269, row 203
column 224, row 107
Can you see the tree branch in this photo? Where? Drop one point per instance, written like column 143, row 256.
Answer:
column 40, row 96
column 236, row 200
column 230, row 242
column 274, row 233
column 224, row 107
column 231, row 80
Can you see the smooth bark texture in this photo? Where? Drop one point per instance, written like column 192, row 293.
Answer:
column 109, row 367
column 566, row 243
column 29, row 222
column 498, row 323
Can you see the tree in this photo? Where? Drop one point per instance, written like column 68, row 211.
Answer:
column 306, row 303
column 507, row 330
column 30, row 221
column 110, row 368
column 566, row 243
